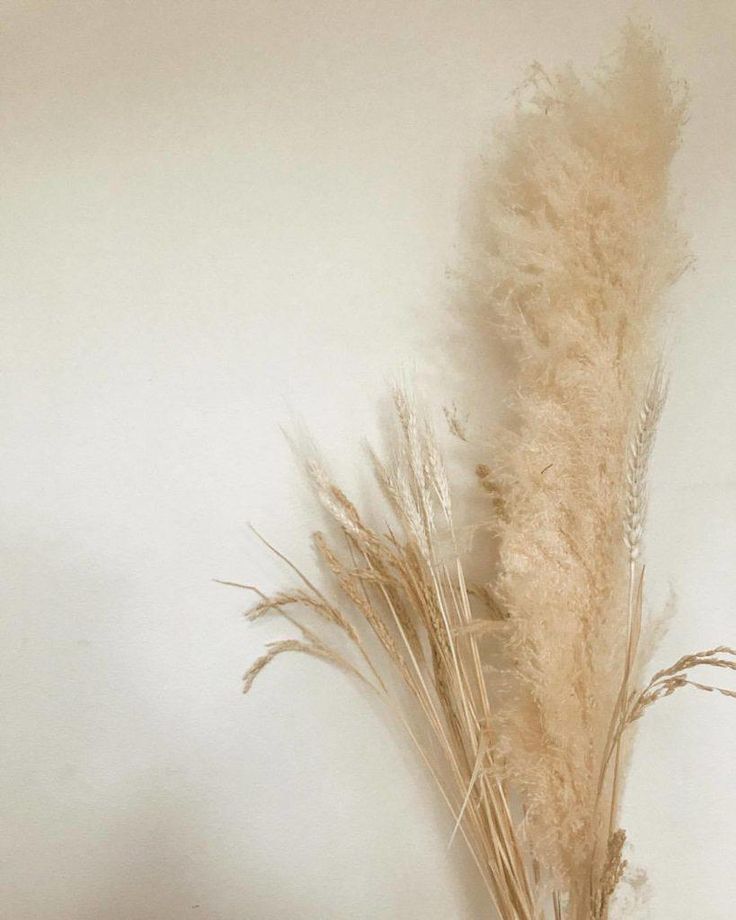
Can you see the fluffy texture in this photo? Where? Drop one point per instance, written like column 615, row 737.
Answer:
column 579, row 248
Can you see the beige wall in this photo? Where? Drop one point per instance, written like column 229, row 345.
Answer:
column 218, row 217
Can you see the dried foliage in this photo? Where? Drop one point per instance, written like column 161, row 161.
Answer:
column 577, row 247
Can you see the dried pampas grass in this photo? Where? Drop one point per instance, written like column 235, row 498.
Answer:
column 519, row 694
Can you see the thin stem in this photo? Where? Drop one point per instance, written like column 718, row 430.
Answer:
column 632, row 638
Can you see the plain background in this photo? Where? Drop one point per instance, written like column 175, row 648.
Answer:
column 219, row 217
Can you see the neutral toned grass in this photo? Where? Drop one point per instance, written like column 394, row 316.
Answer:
column 517, row 693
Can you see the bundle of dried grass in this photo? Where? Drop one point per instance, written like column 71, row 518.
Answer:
column 579, row 247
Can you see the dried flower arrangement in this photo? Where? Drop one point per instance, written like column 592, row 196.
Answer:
column 520, row 694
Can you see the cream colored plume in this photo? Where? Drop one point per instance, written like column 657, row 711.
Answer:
column 578, row 250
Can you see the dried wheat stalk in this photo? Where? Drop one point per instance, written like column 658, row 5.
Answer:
column 577, row 247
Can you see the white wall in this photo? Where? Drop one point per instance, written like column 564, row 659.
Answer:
column 219, row 217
